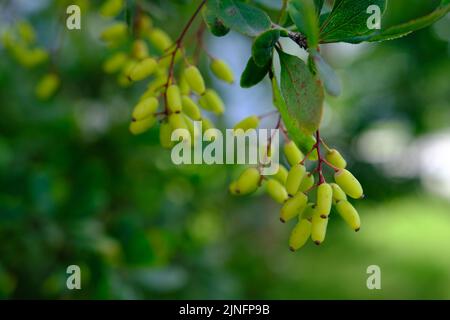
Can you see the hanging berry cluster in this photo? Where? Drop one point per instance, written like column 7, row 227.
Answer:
column 299, row 89
column 176, row 93
column 183, row 95
column 293, row 189
column 20, row 41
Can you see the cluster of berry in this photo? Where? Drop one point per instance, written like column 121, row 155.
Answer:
column 291, row 188
column 155, row 57
column 20, row 43
column 184, row 94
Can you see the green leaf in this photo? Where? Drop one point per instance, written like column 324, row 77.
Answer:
column 329, row 77
column 303, row 141
column 253, row 74
column 214, row 23
column 270, row 4
column 302, row 92
column 319, row 6
column 262, row 49
column 304, row 15
column 404, row 29
column 348, row 19
column 242, row 17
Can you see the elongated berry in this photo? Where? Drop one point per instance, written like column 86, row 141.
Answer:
column 293, row 153
column 211, row 101
column 111, row 8
column 349, row 214
column 295, row 178
column 115, row 62
column 114, row 33
column 124, row 79
column 207, row 124
column 33, row 57
column 143, row 69
column 165, row 133
column 195, row 79
column 155, row 87
column 138, row 127
column 174, row 99
column 324, row 200
column 26, row 32
column 349, row 184
column 233, row 188
column 139, row 50
column 318, row 229
column 293, row 207
column 190, row 108
column 177, row 121
column 222, row 71
column 145, row 108
column 160, row 39
column 144, row 25
column 300, row 234
column 308, row 212
column 281, row 174
column 29, row 58
column 307, row 182
column 276, row 191
column 190, row 126
column 248, row 123
column 336, row 159
column 47, row 86
column 248, row 181
column 184, row 86
column 338, row 193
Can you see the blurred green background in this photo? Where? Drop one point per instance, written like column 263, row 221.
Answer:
column 77, row 188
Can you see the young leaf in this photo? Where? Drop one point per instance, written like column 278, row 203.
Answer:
column 253, row 74
column 329, row 78
column 242, row 17
column 214, row 23
column 348, row 19
column 302, row 92
column 304, row 15
column 262, row 49
column 303, row 141
column 404, row 29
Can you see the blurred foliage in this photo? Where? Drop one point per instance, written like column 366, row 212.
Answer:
column 77, row 188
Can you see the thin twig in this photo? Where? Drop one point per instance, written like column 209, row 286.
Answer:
column 178, row 45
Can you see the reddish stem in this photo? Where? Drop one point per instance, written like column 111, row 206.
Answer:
column 199, row 42
column 269, row 143
column 178, row 45
column 336, row 169
column 268, row 114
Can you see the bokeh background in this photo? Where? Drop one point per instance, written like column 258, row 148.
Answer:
column 77, row 188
